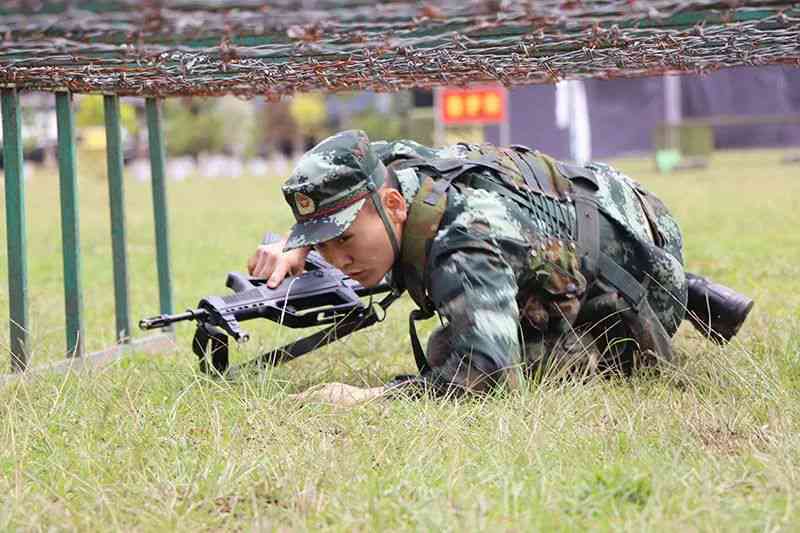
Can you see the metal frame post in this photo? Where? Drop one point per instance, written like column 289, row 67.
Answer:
column 70, row 230
column 116, row 195
column 13, row 167
column 159, row 189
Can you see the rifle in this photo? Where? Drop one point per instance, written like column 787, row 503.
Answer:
column 322, row 295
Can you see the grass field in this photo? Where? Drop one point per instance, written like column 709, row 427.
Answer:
column 710, row 444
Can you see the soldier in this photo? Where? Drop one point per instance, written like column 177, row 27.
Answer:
column 532, row 264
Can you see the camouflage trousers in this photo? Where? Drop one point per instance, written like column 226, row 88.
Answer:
column 573, row 353
column 582, row 351
column 579, row 352
column 608, row 336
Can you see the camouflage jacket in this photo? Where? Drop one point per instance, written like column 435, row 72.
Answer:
column 501, row 275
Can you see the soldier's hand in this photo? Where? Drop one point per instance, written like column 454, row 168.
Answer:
column 338, row 394
column 270, row 261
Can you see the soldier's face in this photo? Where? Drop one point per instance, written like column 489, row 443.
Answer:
column 364, row 251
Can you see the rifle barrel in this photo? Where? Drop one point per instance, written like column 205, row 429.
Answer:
column 162, row 321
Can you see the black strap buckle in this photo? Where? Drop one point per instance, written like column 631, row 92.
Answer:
column 416, row 346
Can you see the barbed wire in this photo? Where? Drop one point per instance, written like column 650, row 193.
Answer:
column 242, row 47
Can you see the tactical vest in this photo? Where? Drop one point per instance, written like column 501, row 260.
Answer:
column 523, row 176
column 531, row 179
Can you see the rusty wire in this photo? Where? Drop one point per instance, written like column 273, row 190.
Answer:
column 245, row 47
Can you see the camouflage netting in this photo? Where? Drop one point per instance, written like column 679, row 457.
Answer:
column 245, row 47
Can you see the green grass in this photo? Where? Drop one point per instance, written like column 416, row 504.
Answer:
column 149, row 444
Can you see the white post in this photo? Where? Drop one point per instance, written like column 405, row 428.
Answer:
column 505, row 126
column 438, row 125
column 672, row 109
column 572, row 112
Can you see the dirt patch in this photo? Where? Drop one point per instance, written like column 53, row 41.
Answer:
column 728, row 441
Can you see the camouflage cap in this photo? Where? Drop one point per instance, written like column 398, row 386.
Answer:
column 329, row 186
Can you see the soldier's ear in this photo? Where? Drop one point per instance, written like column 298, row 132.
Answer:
column 395, row 204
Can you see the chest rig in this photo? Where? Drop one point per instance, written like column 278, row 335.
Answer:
column 534, row 181
column 527, row 177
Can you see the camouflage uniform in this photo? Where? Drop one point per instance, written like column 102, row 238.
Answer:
column 506, row 280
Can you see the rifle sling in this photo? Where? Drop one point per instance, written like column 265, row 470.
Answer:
column 332, row 333
column 211, row 341
column 588, row 229
column 317, row 340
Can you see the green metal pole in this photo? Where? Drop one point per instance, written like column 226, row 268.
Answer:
column 70, row 235
column 116, row 196
column 156, row 147
column 15, row 228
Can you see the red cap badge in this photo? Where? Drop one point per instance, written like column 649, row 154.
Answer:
column 305, row 205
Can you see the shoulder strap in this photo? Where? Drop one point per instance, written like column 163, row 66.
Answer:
column 587, row 228
column 541, row 172
column 423, row 221
column 594, row 263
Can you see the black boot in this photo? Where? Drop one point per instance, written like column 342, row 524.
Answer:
column 714, row 310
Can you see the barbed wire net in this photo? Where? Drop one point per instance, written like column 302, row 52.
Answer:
column 245, row 47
